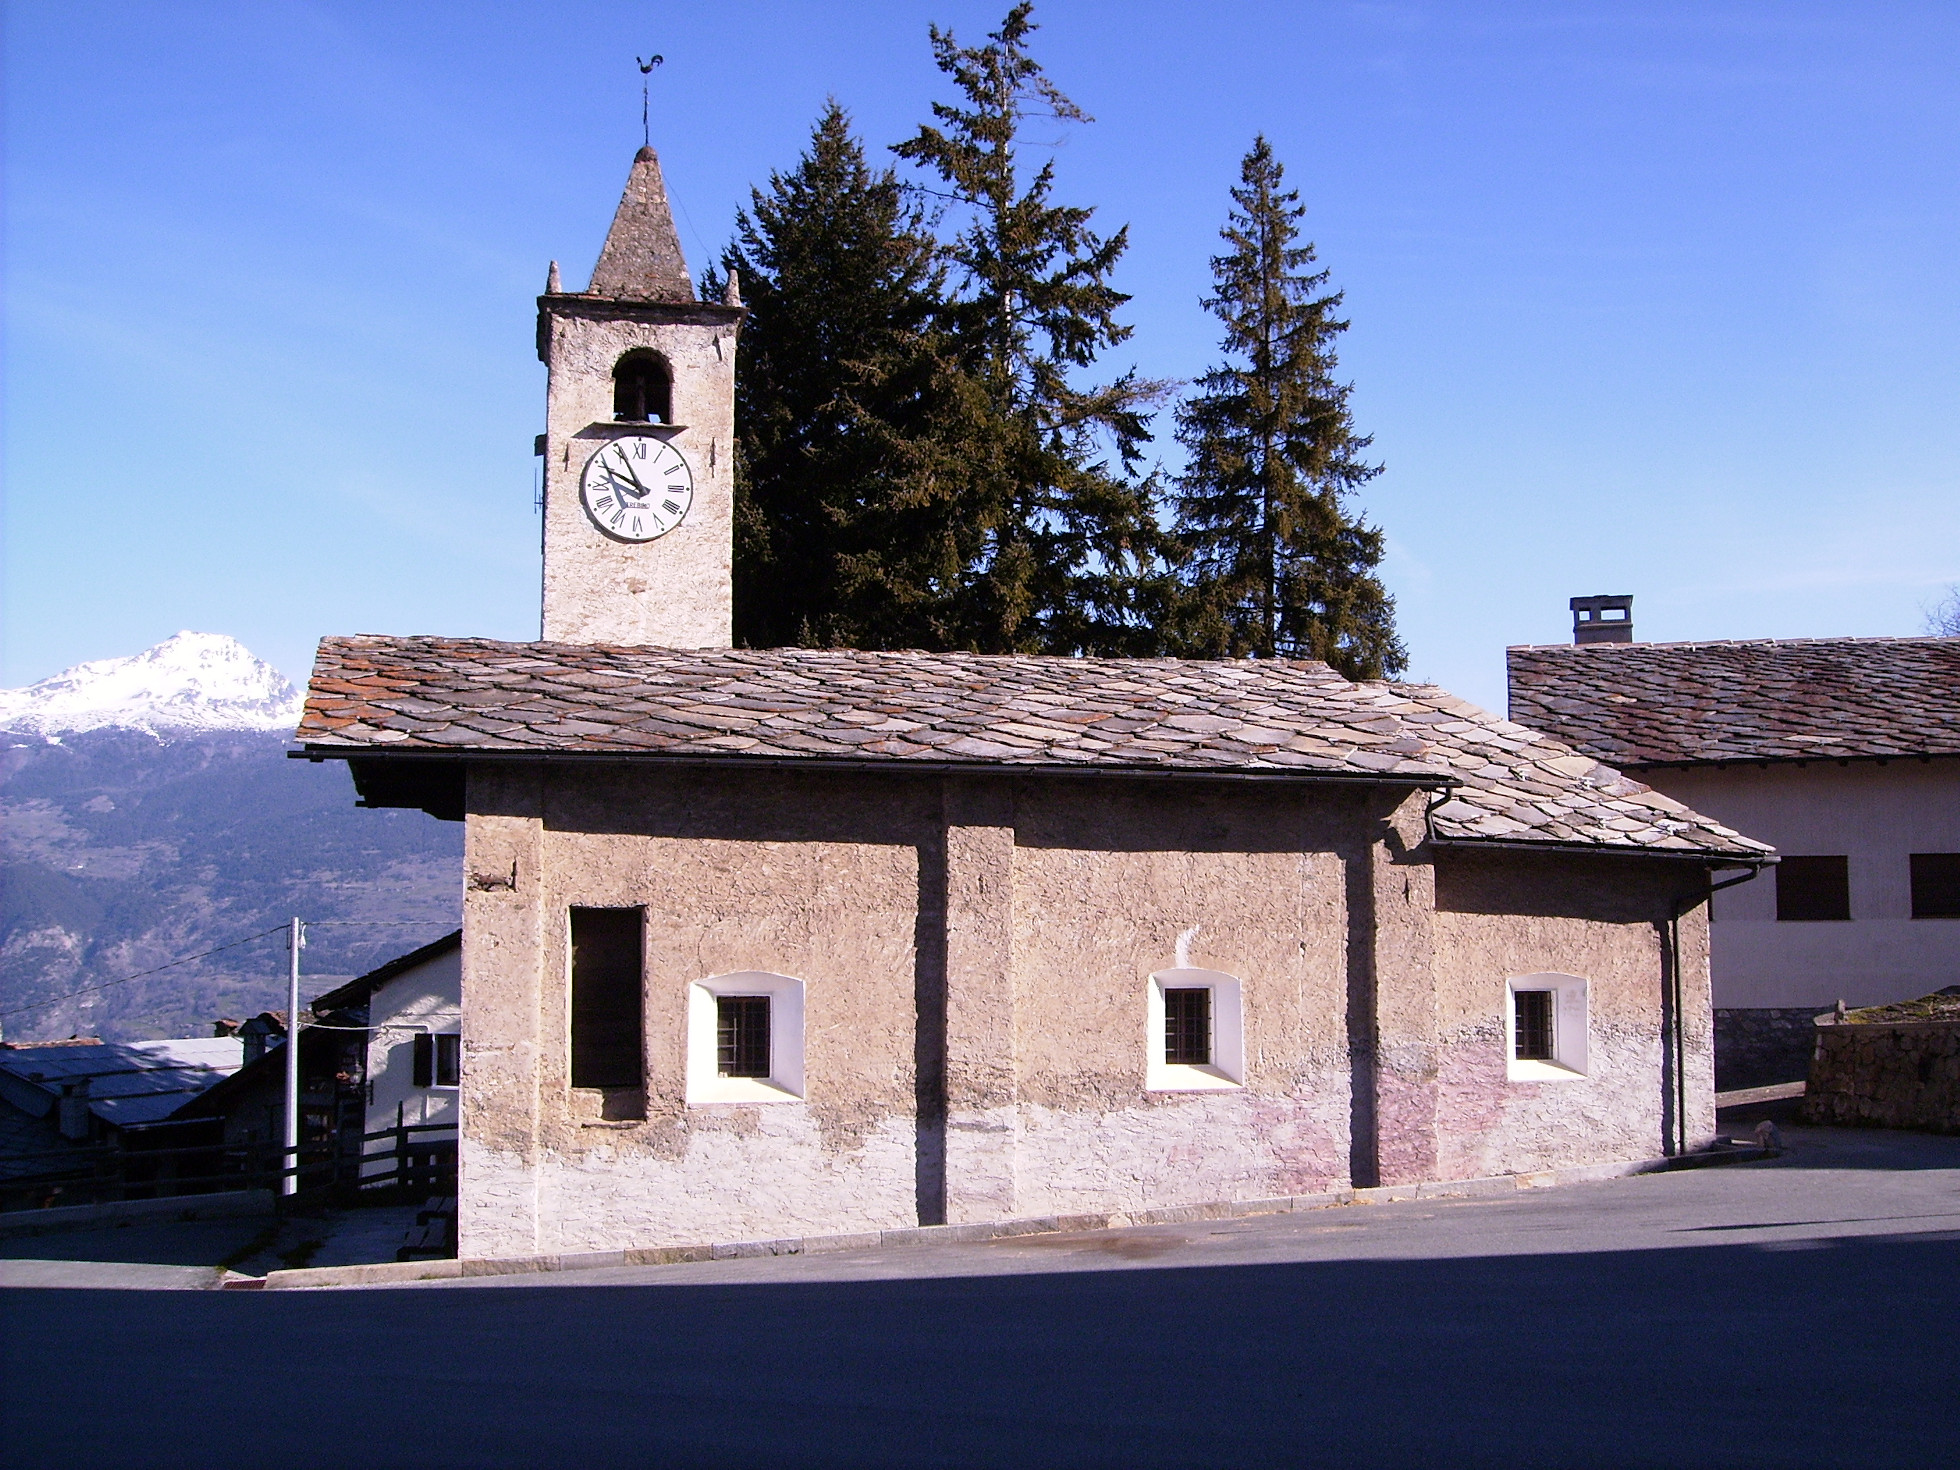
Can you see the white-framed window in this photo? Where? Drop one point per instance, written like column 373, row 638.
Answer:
column 745, row 1039
column 1194, row 1029
column 438, row 1060
column 1545, row 1028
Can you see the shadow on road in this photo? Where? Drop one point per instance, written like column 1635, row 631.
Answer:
column 1709, row 1356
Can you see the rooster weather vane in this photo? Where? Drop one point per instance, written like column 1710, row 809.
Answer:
column 646, row 65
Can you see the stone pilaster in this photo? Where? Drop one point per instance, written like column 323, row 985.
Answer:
column 1401, row 1051
column 1697, row 1029
column 981, row 1094
column 503, row 951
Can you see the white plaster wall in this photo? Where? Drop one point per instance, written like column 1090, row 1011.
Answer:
column 1497, row 1126
column 822, row 886
column 1184, row 1149
column 1876, row 816
column 428, row 998
column 737, row 1173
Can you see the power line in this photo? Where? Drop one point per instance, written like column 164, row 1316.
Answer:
column 41, row 1005
column 124, row 980
column 374, row 923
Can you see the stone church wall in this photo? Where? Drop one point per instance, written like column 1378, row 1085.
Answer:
column 1105, row 881
column 976, row 953
column 1600, row 919
column 790, row 880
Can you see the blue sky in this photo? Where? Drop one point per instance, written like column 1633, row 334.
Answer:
column 1648, row 298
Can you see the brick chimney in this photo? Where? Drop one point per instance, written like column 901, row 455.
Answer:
column 1602, row 620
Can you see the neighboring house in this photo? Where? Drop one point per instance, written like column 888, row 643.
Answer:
column 763, row 943
column 412, row 1008
column 72, row 1094
column 381, row 1049
column 249, row 1107
column 1844, row 754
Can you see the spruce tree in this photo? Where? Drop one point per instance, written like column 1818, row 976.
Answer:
column 1277, row 564
column 1048, row 468
column 846, row 527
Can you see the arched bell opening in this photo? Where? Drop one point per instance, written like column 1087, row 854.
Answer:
column 643, row 388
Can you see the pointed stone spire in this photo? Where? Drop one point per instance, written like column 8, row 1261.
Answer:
column 642, row 258
column 551, row 284
column 732, row 293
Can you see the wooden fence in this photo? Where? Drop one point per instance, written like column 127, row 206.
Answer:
column 414, row 1161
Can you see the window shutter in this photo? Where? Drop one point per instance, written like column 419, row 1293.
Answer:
column 425, row 1059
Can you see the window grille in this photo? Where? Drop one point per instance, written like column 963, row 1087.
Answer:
column 742, row 1035
column 1187, row 1026
column 1534, row 1025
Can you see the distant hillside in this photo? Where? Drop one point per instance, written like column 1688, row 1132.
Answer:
column 135, row 829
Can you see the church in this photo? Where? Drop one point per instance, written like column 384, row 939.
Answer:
column 769, row 943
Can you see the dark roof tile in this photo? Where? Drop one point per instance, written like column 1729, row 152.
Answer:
column 1637, row 704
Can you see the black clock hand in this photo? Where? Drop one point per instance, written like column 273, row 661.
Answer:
column 630, row 485
column 634, row 475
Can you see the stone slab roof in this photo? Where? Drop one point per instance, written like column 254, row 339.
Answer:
column 1638, row 704
column 641, row 259
column 372, row 696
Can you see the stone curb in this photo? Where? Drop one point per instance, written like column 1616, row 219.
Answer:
column 394, row 1272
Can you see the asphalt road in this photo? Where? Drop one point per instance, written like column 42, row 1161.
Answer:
column 1795, row 1313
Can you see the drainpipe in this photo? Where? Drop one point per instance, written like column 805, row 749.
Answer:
column 1673, row 1002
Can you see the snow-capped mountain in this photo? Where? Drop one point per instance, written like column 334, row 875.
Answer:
column 191, row 682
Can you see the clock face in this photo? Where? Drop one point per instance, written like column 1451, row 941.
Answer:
column 637, row 488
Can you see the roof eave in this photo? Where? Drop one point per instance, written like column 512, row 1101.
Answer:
column 1713, row 856
column 1432, row 781
column 1627, row 763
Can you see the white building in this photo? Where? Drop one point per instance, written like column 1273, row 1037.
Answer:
column 1843, row 753
column 414, row 1009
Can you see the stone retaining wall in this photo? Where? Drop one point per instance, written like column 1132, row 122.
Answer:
column 1760, row 1046
column 1886, row 1075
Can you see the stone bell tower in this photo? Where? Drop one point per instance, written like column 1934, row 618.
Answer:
column 639, row 430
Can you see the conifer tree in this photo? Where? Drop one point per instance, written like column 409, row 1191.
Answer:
column 846, row 528
column 1277, row 564
column 1048, row 467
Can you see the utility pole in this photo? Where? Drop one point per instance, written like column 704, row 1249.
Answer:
column 289, row 1180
